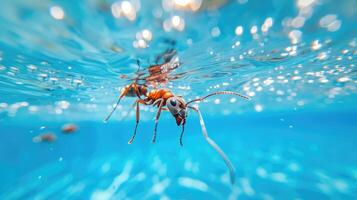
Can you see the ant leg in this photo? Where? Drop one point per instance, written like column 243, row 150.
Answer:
column 124, row 92
column 137, row 120
column 157, row 120
column 136, row 90
column 215, row 146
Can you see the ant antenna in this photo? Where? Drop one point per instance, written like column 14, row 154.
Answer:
column 215, row 146
column 219, row 93
column 181, row 136
column 116, row 106
column 122, row 95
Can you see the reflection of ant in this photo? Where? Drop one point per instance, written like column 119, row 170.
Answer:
column 166, row 100
column 159, row 73
column 165, row 63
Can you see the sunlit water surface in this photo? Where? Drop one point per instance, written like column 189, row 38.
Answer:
column 67, row 61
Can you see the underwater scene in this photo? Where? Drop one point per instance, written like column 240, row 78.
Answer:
column 178, row 99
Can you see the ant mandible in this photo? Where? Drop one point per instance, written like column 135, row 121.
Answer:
column 166, row 100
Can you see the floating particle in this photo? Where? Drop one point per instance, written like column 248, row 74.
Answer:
column 142, row 44
column 192, row 5
column 128, row 10
column 343, row 79
column 280, row 92
column 258, row 108
column 146, row 35
column 215, row 32
column 54, row 80
column 268, row 81
column 42, row 76
column 258, row 89
column 178, row 23
column 251, row 93
column 33, row 109
column 45, row 137
column 63, row 104
column 14, row 69
column 295, row 36
column 116, row 48
column 31, row 68
column 295, row 78
column 261, row 172
column 315, row 45
column 69, row 128
column 298, row 22
column 116, row 9
column 253, row 30
column 268, row 23
column 330, row 22
column 323, row 80
column 239, row 30
column 322, row 56
column 345, row 51
column 304, row 3
column 57, row 12
column 77, row 82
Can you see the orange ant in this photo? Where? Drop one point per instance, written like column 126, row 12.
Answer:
column 166, row 100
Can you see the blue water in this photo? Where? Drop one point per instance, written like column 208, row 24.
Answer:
column 67, row 61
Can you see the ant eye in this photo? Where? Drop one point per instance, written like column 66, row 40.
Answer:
column 173, row 102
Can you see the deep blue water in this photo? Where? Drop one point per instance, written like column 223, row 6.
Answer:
column 280, row 156
column 67, row 61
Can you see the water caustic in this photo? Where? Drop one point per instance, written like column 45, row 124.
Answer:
column 68, row 61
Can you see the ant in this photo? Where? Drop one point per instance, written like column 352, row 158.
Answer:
column 166, row 100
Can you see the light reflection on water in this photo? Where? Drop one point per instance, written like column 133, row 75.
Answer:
column 291, row 51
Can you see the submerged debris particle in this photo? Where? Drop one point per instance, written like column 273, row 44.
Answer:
column 45, row 137
column 69, row 128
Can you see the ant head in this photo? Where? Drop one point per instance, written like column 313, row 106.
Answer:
column 178, row 109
